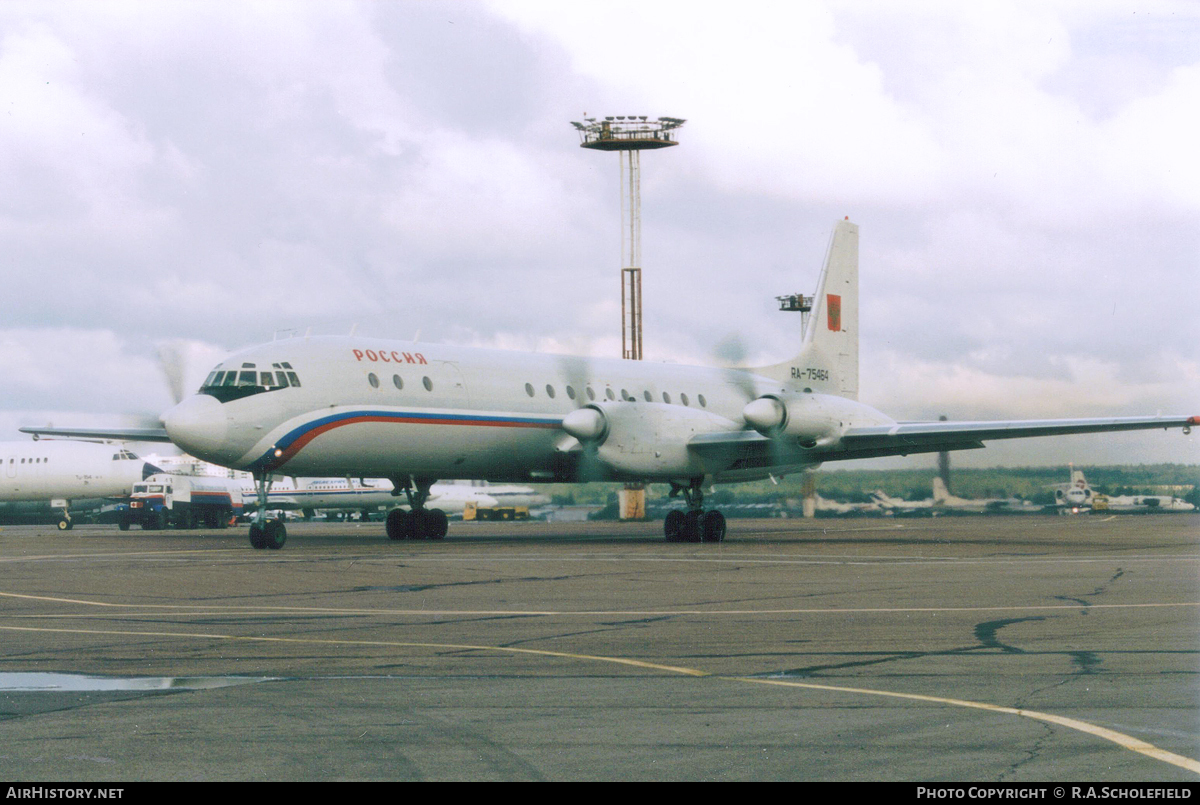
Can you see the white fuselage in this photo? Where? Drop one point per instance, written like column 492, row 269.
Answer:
column 367, row 408
column 53, row 470
column 1148, row 503
column 370, row 494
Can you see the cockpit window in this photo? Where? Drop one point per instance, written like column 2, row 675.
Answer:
column 228, row 385
column 123, row 455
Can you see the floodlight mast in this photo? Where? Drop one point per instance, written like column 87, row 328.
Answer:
column 629, row 135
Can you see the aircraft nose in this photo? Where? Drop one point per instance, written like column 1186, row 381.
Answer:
column 198, row 425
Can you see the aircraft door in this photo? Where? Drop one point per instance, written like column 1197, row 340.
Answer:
column 11, row 464
column 455, row 392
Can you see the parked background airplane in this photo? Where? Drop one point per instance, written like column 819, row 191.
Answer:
column 942, row 499
column 367, row 494
column 1127, row 504
column 67, row 476
column 901, row 506
column 1077, row 494
column 820, row 504
column 415, row 413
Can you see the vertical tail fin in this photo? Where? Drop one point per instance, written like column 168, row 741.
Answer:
column 828, row 357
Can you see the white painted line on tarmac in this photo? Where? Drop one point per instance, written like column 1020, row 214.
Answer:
column 211, row 609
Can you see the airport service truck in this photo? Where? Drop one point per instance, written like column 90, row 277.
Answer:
column 182, row 501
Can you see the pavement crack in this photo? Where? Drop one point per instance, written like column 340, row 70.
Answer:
column 985, row 633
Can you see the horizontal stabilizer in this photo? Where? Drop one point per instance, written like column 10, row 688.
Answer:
column 114, row 434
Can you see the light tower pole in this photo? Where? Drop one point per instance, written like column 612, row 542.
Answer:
column 629, row 135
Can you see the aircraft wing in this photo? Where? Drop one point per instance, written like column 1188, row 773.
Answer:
column 114, row 434
column 924, row 437
column 748, row 449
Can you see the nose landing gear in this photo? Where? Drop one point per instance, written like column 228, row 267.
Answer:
column 265, row 533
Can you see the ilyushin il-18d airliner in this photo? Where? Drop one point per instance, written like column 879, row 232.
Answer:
column 413, row 413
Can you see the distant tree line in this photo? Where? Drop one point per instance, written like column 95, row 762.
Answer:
column 1035, row 484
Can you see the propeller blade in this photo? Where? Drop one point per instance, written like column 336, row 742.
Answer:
column 171, row 361
column 731, row 354
column 587, row 426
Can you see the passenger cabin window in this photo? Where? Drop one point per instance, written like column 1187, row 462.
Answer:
column 373, row 380
column 550, row 391
column 425, row 381
column 228, row 385
column 397, row 382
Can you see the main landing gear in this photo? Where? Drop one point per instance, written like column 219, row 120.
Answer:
column 265, row 533
column 420, row 523
column 695, row 524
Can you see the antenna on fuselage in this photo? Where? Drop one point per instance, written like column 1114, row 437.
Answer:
column 353, row 327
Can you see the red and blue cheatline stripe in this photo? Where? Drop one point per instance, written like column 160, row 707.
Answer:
column 295, row 440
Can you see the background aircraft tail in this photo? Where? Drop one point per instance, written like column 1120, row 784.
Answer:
column 1077, row 479
column 828, row 357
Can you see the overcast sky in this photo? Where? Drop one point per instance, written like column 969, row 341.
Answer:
column 1025, row 176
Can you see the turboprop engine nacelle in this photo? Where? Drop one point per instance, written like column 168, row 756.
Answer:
column 644, row 440
column 812, row 419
